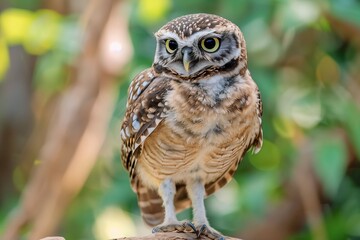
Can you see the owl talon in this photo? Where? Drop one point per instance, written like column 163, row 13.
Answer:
column 208, row 232
column 189, row 227
column 186, row 226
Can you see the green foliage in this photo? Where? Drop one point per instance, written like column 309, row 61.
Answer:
column 40, row 32
column 351, row 117
column 268, row 158
column 347, row 10
column 330, row 162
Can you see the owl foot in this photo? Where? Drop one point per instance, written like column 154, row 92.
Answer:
column 185, row 226
column 209, row 232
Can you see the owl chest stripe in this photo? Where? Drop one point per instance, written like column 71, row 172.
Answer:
column 162, row 150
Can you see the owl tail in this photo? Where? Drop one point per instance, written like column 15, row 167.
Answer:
column 151, row 204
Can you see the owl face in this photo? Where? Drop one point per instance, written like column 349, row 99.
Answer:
column 193, row 44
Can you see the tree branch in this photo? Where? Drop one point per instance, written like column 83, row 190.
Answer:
column 172, row 236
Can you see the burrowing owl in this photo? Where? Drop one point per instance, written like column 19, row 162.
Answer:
column 190, row 119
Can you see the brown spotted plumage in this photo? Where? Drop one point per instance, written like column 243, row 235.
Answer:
column 190, row 119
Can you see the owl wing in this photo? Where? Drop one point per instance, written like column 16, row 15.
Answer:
column 144, row 111
column 258, row 140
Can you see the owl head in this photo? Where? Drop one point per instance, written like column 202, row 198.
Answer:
column 199, row 45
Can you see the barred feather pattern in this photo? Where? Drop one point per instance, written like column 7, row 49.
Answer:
column 145, row 110
column 157, row 144
column 189, row 128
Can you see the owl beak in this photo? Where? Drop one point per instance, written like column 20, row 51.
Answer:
column 187, row 58
column 186, row 65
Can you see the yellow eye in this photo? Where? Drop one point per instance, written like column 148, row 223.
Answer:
column 171, row 45
column 210, row 44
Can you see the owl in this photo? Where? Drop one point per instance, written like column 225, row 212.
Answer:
column 189, row 120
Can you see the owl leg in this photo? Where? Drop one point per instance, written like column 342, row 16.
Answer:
column 167, row 192
column 196, row 192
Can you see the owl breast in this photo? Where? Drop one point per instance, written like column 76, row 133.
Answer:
column 208, row 128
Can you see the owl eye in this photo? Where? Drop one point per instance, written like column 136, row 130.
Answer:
column 171, row 45
column 210, row 44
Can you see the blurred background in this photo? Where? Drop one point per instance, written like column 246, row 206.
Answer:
column 64, row 71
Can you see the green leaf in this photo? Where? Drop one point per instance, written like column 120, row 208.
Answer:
column 298, row 14
column 43, row 32
column 268, row 158
column 255, row 192
column 50, row 76
column 352, row 125
column 347, row 10
column 330, row 163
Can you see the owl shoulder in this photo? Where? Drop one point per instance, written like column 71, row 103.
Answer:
column 145, row 109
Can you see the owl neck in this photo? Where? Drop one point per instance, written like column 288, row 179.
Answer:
column 211, row 92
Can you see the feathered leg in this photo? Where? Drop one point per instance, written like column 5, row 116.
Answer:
column 196, row 192
column 167, row 192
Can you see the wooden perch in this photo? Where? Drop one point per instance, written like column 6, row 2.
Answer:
column 53, row 238
column 176, row 235
column 172, row 236
column 160, row 236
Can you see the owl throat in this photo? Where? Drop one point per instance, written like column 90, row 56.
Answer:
column 208, row 93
